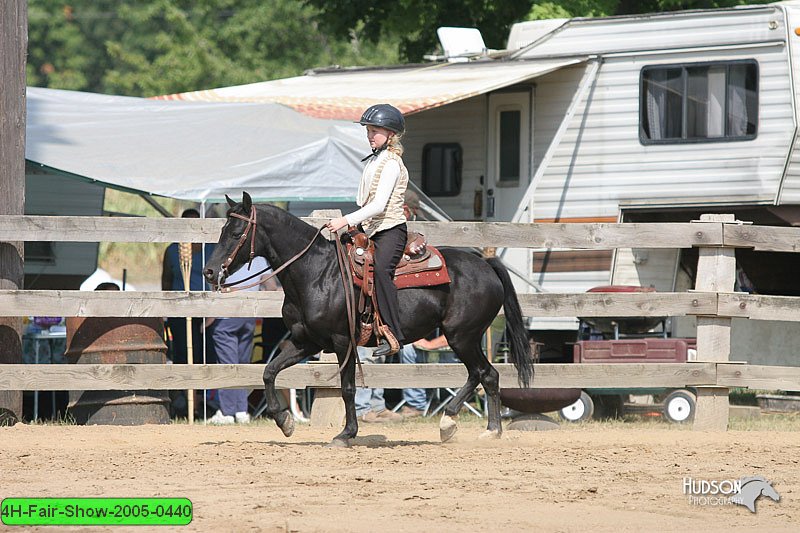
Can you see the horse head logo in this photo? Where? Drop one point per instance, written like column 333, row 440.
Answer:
column 752, row 488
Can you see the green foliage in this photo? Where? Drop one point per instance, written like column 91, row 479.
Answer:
column 414, row 22
column 626, row 7
column 572, row 8
column 62, row 62
column 151, row 47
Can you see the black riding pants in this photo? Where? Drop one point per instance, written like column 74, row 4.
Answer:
column 389, row 246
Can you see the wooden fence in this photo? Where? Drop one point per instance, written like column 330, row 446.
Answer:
column 713, row 302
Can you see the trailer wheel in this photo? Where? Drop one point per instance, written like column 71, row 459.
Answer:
column 581, row 410
column 679, row 406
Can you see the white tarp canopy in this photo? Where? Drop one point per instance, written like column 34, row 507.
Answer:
column 194, row 151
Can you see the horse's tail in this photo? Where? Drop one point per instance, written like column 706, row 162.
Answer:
column 517, row 334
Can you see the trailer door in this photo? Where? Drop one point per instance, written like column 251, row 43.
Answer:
column 509, row 152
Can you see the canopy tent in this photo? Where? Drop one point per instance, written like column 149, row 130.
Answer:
column 194, row 151
column 345, row 93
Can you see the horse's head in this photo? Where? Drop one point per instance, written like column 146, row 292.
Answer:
column 236, row 244
column 768, row 491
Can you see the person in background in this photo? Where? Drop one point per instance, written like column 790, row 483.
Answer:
column 370, row 404
column 233, row 343
column 416, row 400
column 172, row 280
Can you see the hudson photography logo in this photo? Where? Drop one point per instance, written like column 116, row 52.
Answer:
column 744, row 491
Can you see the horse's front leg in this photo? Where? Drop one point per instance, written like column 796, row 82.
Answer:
column 348, row 377
column 290, row 356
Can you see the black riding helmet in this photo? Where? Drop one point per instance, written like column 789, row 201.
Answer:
column 384, row 116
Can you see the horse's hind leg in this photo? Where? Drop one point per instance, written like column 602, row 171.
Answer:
column 490, row 378
column 480, row 371
column 291, row 356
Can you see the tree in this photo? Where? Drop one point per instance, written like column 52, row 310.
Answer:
column 58, row 55
column 150, row 47
column 414, row 22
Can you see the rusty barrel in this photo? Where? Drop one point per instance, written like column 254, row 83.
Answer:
column 109, row 340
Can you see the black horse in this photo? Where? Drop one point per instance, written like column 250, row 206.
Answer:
column 314, row 309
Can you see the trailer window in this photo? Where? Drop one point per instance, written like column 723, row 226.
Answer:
column 441, row 169
column 699, row 103
column 510, row 136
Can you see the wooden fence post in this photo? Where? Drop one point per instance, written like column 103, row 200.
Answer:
column 13, row 47
column 328, row 407
column 716, row 272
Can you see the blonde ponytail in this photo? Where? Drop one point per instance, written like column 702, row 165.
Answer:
column 394, row 144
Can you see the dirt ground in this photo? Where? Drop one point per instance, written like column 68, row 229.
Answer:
column 401, row 478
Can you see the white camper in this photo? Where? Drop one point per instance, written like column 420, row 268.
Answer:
column 658, row 117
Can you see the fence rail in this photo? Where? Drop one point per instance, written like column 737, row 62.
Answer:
column 713, row 303
column 268, row 304
column 480, row 234
column 431, row 375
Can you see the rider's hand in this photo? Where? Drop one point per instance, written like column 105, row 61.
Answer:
column 336, row 224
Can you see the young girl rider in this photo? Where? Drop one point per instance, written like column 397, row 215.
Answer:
column 381, row 196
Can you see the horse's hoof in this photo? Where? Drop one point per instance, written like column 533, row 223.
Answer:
column 447, row 428
column 287, row 425
column 490, row 434
column 339, row 443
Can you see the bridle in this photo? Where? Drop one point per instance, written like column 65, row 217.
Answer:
column 251, row 224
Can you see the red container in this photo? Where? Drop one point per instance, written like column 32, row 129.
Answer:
column 633, row 351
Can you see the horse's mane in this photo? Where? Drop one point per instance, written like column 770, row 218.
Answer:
column 270, row 214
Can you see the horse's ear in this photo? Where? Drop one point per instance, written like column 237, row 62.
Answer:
column 247, row 201
column 230, row 202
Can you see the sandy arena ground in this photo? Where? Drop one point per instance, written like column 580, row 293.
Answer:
column 400, row 478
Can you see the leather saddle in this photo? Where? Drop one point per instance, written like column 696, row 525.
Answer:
column 420, row 266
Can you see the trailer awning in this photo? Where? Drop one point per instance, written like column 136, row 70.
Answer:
column 344, row 94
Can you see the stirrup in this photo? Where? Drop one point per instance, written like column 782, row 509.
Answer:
column 388, row 345
column 384, row 349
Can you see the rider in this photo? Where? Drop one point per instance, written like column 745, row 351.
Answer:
column 380, row 196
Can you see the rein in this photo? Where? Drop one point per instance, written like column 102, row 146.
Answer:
column 344, row 270
column 349, row 301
